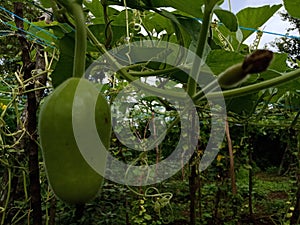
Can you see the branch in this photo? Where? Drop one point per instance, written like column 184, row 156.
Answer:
column 31, row 147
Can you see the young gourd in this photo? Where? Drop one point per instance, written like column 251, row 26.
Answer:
column 69, row 175
column 256, row 62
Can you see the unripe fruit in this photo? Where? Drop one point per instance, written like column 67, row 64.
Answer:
column 69, row 175
column 256, row 62
column 232, row 77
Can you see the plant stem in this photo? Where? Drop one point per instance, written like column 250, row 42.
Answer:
column 80, row 39
column 155, row 72
column 231, row 159
column 192, row 84
column 229, row 5
column 250, row 88
column 30, row 145
column 5, row 209
column 123, row 72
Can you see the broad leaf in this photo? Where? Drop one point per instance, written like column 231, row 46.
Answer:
column 228, row 19
column 242, row 105
column 191, row 26
column 95, row 8
column 182, row 34
column 255, row 18
column 52, row 31
column 267, row 75
column 64, row 67
column 219, row 60
column 46, row 3
column 292, row 6
column 99, row 31
column 279, row 62
column 234, row 39
column 192, row 7
column 157, row 22
column 210, row 4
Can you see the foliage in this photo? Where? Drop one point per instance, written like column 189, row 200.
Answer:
column 290, row 45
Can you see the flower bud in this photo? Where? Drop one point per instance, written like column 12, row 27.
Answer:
column 258, row 61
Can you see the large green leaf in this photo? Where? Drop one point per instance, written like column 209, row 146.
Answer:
column 64, row 67
column 212, row 3
column 192, row 7
column 267, row 75
column 46, row 3
column 292, row 6
column 189, row 27
column 157, row 22
column 242, row 105
column 182, row 34
column 228, row 19
column 51, row 31
column 279, row 62
column 95, row 7
column 229, row 39
column 118, row 26
column 255, row 18
column 99, row 32
column 220, row 60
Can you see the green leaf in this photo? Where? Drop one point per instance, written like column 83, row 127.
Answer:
column 187, row 28
column 192, row 7
column 46, row 3
column 53, row 29
column 233, row 38
column 120, row 18
column 228, row 19
column 247, row 166
column 157, row 22
column 182, row 35
column 179, row 76
column 219, row 60
column 255, row 17
column 279, row 62
column 99, row 31
column 138, row 54
column 242, row 105
column 292, row 6
column 191, row 26
column 95, row 7
column 64, row 67
column 147, row 217
column 210, row 4
column 269, row 74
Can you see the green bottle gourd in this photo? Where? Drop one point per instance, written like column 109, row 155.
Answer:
column 233, row 76
column 69, row 175
column 256, row 62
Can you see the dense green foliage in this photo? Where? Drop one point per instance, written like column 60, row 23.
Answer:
column 289, row 45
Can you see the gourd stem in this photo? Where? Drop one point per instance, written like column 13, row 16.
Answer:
column 252, row 88
column 123, row 72
column 192, row 84
column 80, row 39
